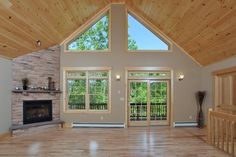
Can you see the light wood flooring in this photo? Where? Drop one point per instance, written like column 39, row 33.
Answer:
column 107, row 142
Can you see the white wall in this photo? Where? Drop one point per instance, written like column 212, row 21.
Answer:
column 207, row 78
column 5, row 95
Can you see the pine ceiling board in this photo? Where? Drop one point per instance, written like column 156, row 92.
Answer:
column 166, row 11
column 154, row 8
column 176, row 14
column 15, row 37
column 12, row 32
column 23, row 22
column 198, row 26
column 84, row 10
column 204, row 18
column 117, row 1
column 17, row 30
column 210, row 36
column 183, row 8
column 57, row 17
column 216, row 40
column 72, row 12
column 33, row 21
column 9, row 21
column 53, row 19
column 211, row 40
column 203, row 28
column 8, row 50
column 10, row 37
column 216, row 53
column 31, row 12
column 189, row 24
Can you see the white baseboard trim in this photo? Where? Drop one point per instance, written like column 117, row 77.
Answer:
column 98, row 125
column 184, row 124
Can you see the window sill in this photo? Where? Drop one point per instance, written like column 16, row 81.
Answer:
column 149, row 51
column 88, row 51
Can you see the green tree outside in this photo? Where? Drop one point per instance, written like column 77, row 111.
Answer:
column 96, row 38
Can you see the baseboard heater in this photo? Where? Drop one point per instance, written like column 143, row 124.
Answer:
column 183, row 124
column 98, row 125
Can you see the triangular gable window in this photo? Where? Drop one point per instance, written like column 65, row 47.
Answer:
column 142, row 38
column 95, row 38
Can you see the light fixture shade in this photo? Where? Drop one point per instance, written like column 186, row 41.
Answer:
column 117, row 77
column 181, row 77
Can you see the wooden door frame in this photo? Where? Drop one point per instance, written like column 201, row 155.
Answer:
column 217, row 89
column 127, row 69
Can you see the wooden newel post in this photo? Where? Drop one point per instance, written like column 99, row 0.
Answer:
column 209, row 140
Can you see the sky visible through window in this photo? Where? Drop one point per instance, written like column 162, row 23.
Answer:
column 144, row 38
column 96, row 37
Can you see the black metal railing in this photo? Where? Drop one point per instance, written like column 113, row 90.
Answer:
column 81, row 106
column 138, row 111
column 158, row 111
column 98, row 106
column 76, row 106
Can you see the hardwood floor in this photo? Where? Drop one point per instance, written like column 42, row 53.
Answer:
column 107, row 142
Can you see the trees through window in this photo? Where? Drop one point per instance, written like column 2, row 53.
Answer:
column 87, row 90
column 95, row 37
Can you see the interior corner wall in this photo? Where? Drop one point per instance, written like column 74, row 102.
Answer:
column 5, row 95
column 184, row 102
column 207, row 79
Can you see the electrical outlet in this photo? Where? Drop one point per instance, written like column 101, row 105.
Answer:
column 190, row 117
column 122, row 99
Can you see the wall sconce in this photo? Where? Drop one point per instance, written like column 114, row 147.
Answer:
column 118, row 77
column 181, row 77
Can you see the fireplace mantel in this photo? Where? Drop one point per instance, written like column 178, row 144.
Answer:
column 36, row 91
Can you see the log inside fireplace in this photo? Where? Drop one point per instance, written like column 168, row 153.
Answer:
column 35, row 111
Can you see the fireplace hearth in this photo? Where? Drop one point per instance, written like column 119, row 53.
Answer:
column 37, row 111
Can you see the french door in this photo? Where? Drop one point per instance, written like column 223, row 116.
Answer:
column 148, row 102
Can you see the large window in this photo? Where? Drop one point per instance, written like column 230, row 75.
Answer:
column 94, row 38
column 142, row 38
column 87, row 90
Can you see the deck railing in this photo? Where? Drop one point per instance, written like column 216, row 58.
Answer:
column 222, row 131
column 138, row 111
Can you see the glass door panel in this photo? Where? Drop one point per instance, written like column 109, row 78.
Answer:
column 159, row 102
column 138, row 103
column 148, row 102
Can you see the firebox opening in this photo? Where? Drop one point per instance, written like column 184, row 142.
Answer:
column 37, row 111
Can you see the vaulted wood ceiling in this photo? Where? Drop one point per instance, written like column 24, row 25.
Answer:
column 23, row 22
column 206, row 29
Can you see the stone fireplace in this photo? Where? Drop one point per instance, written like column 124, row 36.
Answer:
column 37, row 111
column 19, row 99
column 37, row 67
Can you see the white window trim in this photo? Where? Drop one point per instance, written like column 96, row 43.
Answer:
column 87, row 110
column 151, row 27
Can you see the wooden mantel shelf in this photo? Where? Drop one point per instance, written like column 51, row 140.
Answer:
column 36, row 91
